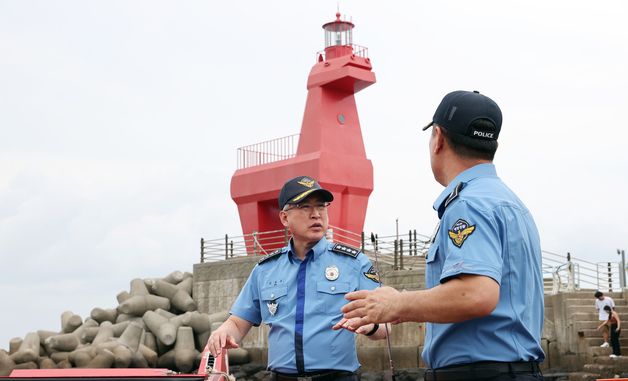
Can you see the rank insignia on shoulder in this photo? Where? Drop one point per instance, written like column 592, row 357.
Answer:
column 372, row 275
column 274, row 254
column 346, row 250
column 460, row 232
column 452, row 196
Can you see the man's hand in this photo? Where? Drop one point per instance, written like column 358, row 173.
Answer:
column 228, row 335
column 367, row 307
column 220, row 339
column 351, row 324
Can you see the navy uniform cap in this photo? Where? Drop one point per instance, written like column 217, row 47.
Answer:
column 459, row 109
column 298, row 189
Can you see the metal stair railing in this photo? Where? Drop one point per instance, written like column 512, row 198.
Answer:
column 577, row 274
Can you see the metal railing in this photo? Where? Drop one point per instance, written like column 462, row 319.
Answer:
column 403, row 252
column 358, row 51
column 257, row 243
column 268, row 151
column 399, row 252
column 571, row 274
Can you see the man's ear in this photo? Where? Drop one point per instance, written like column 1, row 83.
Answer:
column 283, row 217
column 439, row 140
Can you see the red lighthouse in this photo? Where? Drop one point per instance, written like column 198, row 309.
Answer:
column 330, row 147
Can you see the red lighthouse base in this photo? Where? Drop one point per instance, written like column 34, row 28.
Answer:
column 255, row 190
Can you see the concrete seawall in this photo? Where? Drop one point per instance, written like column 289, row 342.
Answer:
column 569, row 338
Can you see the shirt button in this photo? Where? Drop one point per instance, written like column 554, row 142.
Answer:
column 333, row 288
column 272, row 295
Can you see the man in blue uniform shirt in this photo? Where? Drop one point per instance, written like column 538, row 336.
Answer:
column 298, row 292
column 484, row 296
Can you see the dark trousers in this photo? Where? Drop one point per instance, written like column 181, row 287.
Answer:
column 615, row 340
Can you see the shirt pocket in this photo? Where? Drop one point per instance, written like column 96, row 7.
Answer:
column 432, row 268
column 331, row 295
column 272, row 307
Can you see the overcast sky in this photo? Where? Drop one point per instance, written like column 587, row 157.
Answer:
column 120, row 121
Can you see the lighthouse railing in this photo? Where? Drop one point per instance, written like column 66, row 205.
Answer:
column 268, row 151
column 358, row 51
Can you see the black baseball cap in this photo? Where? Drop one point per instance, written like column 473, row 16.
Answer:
column 459, row 109
column 298, row 189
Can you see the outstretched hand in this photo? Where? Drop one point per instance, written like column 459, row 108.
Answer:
column 366, row 307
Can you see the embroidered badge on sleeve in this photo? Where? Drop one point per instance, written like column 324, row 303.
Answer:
column 460, row 232
column 372, row 275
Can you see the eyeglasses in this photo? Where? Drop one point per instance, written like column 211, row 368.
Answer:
column 309, row 208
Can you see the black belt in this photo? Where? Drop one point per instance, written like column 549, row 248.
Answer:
column 484, row 369
column 316, row 376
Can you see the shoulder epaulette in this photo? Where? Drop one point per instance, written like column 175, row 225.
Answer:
column 452, row 196
column 274, row 254
column 346, row 250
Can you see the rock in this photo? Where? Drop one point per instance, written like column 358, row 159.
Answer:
column 14, row 344
column 199, row 322
column 122, row 296
column 184, row 350
column 139, row 304
column 238, row 356
column 6, row 363
column 65, row 343
column 166, row 360
column 105, row 333
column 150, row 341
column 179, row 298
column 119, row 328
column 58, row 357
column 149, row 355
column 174, row 277
column 70, row 322
column 163, row 330
column 137, row 288
column 131, row 336
column 103, row 359
column 80, row 357
column 28, row 350
column 102, row 315
column 46, row 363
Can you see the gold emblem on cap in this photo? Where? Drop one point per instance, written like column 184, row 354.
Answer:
column 306, row 182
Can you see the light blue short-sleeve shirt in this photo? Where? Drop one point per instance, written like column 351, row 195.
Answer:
column 486, row 230
column 301, row 300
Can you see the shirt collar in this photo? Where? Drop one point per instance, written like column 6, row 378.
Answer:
column 318, row 249
column 480, row 170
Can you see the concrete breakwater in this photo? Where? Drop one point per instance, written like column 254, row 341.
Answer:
column 156, row 324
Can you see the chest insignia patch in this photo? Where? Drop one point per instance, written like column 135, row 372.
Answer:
column 460, row 232
column 272, row 307
column 372, row 275
column 332, row 272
